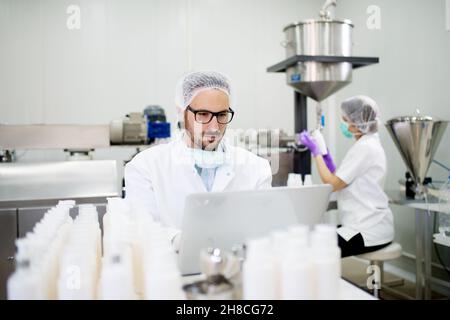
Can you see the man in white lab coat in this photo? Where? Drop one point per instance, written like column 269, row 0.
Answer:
column 199, row 159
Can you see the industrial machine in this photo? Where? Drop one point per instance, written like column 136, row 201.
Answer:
column 417, row 139
column 140, row 128
column 318, row 63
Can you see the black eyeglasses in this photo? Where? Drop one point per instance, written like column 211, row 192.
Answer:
column 205, row 116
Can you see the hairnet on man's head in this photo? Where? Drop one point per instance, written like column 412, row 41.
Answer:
column 194, row 82
column 363, row 112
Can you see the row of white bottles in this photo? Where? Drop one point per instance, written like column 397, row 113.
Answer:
column 37, row 257
column 293, row 264
column 62, row 258
column 118, row 276
column 162, row 278
column 80, row 258
column 138, row 261
column 295, row 180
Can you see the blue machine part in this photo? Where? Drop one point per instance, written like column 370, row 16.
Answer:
column 296, row 77
column 158, row 130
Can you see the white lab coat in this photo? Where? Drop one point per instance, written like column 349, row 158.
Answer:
column 363, row 206
column 159, row 178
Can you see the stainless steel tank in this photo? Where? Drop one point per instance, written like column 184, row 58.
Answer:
column 322, row 37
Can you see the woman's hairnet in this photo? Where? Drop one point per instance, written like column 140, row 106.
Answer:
column 194, row 82
column 363, row 112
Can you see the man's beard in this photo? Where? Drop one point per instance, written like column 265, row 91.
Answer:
column 198, row 140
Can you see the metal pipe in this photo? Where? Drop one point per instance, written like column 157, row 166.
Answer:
column 419, row 254
column 302, row 159
column 324, row 12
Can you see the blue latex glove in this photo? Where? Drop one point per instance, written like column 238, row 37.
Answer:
column 329, row 162
column 309, row 142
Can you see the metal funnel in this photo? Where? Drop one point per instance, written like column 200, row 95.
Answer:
column 417, row 139
column 319, row 90
column 319, row 80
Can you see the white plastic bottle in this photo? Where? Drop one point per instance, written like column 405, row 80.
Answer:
column 161, row 277
column 116, row 279
column 326, row 259
column 294, row 180
column 300, row 231
column 259, row 271
column 280, row 245
column 297, row 281
column 163, row 282
column 308, row 180
column 317, row 135
column 23, row 284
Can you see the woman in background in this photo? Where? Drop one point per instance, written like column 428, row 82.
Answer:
column 367, row 221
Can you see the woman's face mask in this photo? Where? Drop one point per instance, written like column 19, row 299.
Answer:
column 344, row 129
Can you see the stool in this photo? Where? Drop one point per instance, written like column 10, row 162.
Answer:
column 377, row 258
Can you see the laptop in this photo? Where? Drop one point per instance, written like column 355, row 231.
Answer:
column 225, row 219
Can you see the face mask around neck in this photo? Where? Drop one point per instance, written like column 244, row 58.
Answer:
column 208, row 159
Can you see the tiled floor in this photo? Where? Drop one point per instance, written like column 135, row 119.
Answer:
column 354, row 270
